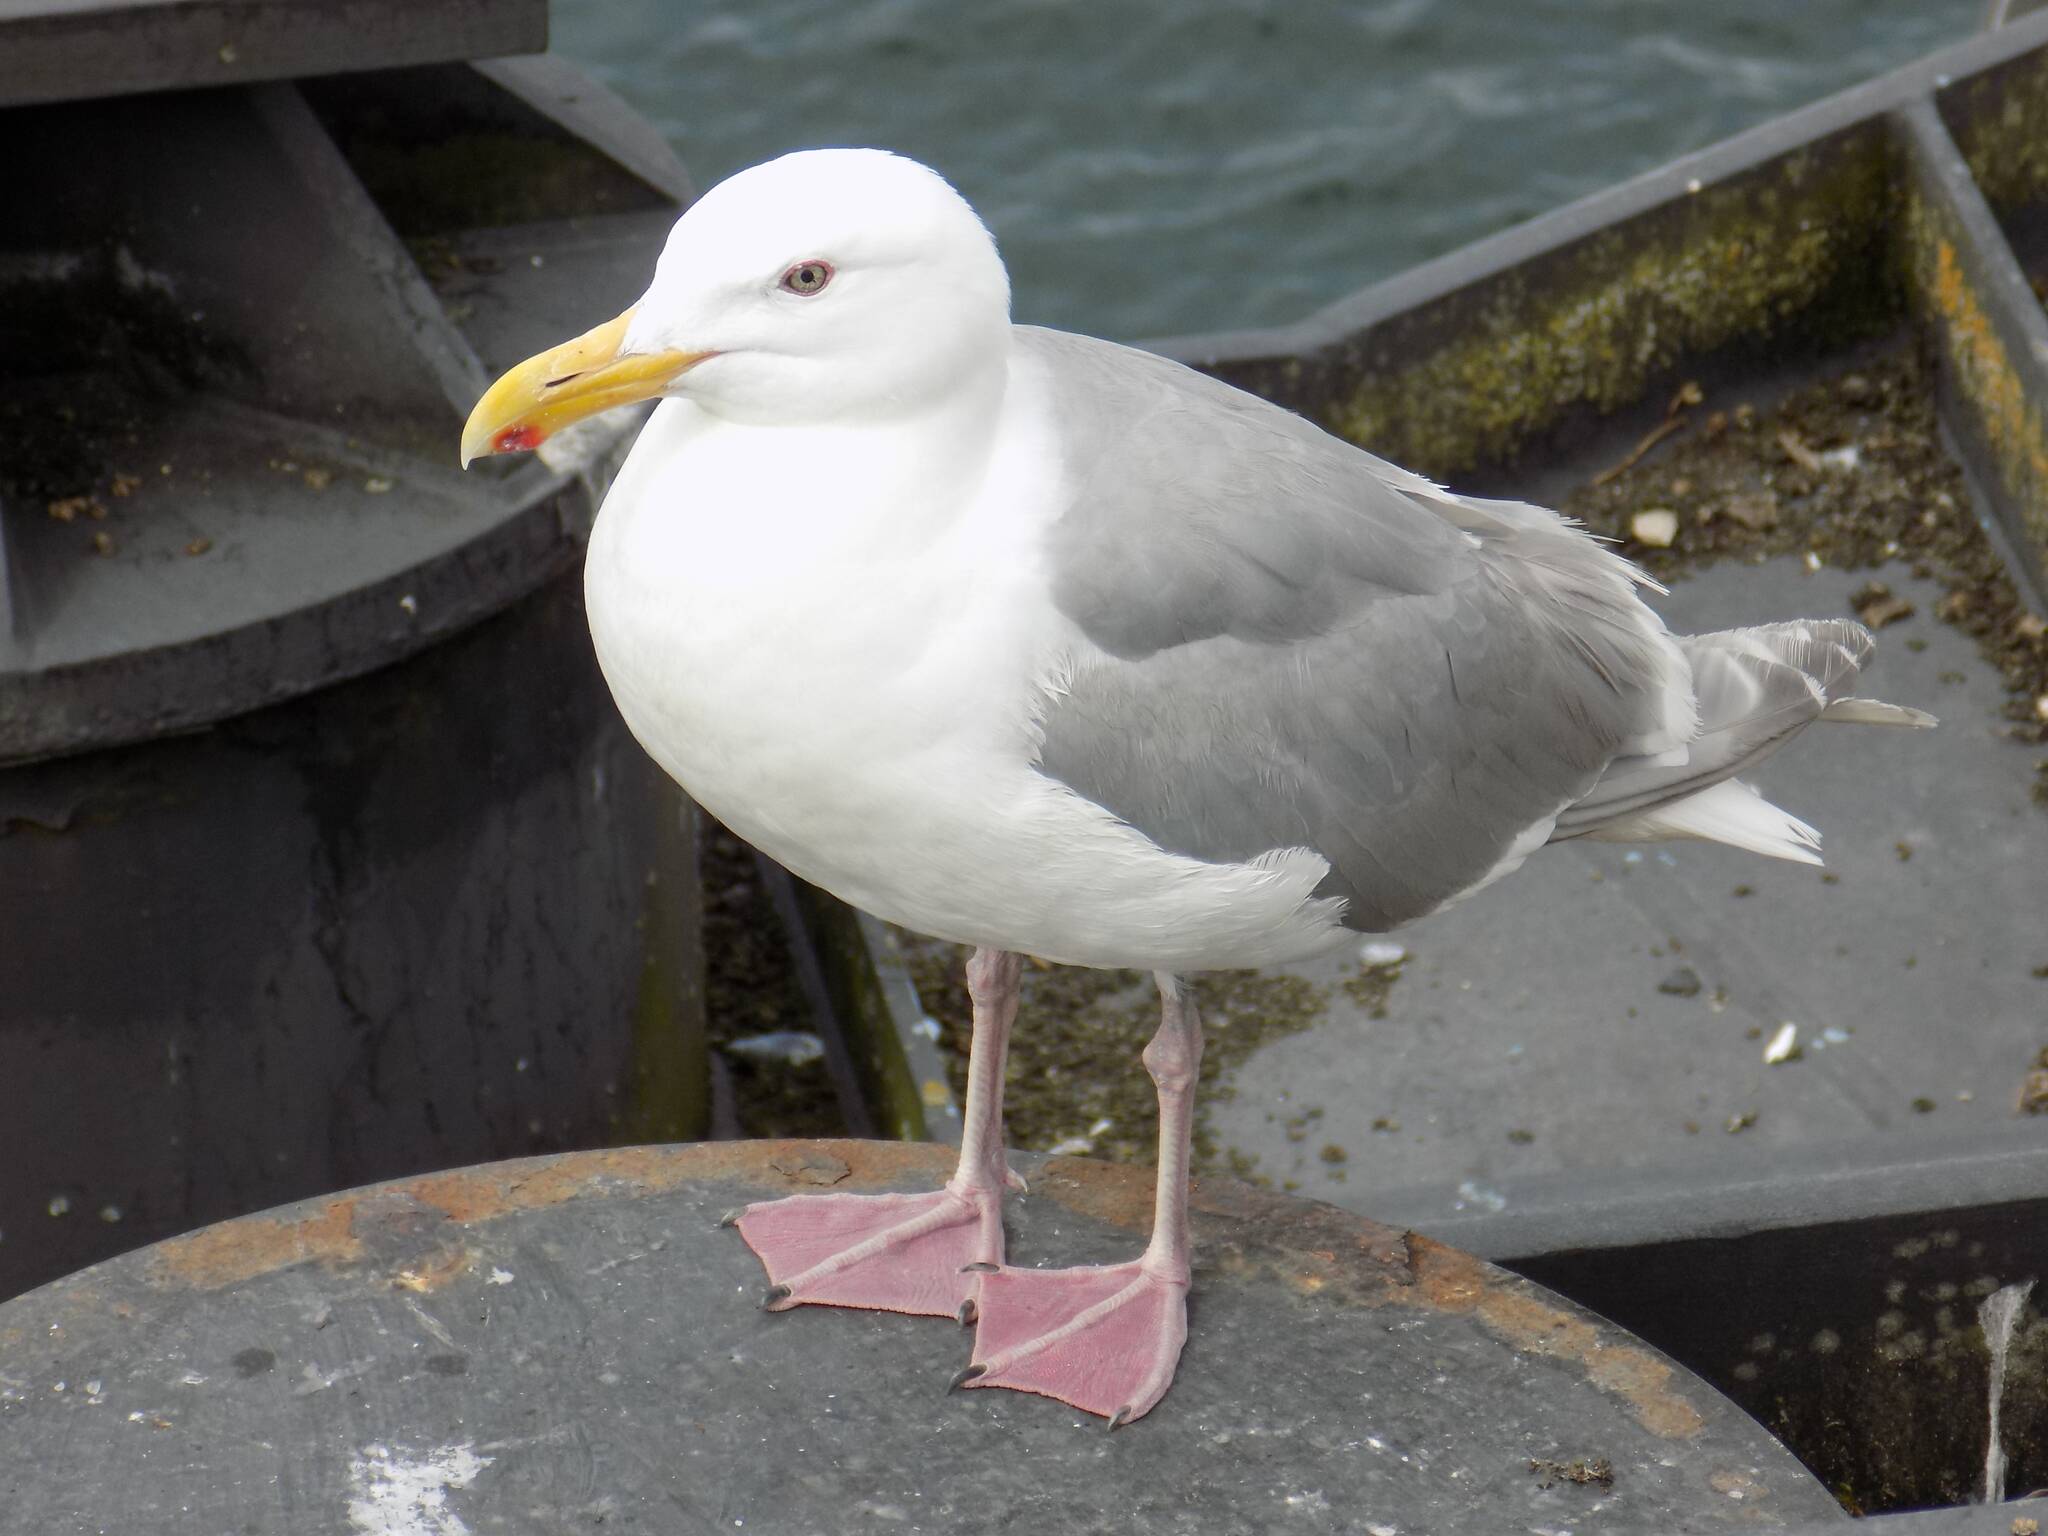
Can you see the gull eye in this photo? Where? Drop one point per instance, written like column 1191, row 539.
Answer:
column 807, row 277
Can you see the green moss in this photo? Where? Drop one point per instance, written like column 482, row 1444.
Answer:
column 1800, row 243
column 1368, row 986
column 668, row 1093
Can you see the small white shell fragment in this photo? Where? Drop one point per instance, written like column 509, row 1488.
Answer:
column 1382, row 952
column 1812, row 560
column 1784, row 1045
column 1656, row 527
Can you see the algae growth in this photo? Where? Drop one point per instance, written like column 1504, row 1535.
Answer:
column 1797, row 247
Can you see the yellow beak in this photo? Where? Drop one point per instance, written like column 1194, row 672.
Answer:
column 535, row 400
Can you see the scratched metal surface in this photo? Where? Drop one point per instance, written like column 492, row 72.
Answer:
column 569, row 1343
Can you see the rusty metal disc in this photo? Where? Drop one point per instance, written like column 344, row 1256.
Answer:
column 571, row 1343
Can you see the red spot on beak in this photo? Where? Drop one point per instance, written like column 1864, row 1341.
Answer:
column 516, row 440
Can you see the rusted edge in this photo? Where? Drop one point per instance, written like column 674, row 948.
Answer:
column 1322, row 1251
column 332, row 1230
column 233, row 1251
column 417, row 1229
column 1519, row 1314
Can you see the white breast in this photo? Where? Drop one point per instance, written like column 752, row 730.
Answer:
column 843, row 664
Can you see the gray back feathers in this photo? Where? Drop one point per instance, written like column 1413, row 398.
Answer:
column 1303, row 646
column 1299, row 645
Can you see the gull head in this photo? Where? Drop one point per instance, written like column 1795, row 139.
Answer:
column 828, row 285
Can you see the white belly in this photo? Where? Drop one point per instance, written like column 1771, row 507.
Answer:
column 860, row 706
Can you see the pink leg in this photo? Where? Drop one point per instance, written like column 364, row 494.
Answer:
column 1107, row 1338
column 907, row 1253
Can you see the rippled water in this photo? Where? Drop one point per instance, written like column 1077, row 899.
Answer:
column 1153, row 169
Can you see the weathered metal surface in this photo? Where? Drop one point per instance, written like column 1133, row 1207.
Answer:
column 1829, row 1182
column 1775, row 241
column 570, row 1340
column 1833, row 1296
column 1999, row 123
column 1988, row 332
column 594, row 114
column 1786, row 255
column 229, row 352
column 67, row 50
column 443, row 913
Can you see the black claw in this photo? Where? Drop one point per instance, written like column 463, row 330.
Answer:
column 774, row 1294
column 967, row 1373
column 732, row 1217
column 968, row 1312
column 1120, row 1416
column 979, row 1268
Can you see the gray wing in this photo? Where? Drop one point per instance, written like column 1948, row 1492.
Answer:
column 1304, row 646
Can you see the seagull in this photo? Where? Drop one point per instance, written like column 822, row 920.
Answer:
column 1055, row 647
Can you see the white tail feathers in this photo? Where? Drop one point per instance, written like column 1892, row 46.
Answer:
column 1756, row 689
column 1729, row 812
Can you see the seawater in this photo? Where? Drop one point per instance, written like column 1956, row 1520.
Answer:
column 1155, row 169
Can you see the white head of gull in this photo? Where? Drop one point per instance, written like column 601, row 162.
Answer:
column 1055, row 647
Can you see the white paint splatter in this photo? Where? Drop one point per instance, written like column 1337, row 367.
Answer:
column 394, row 1491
